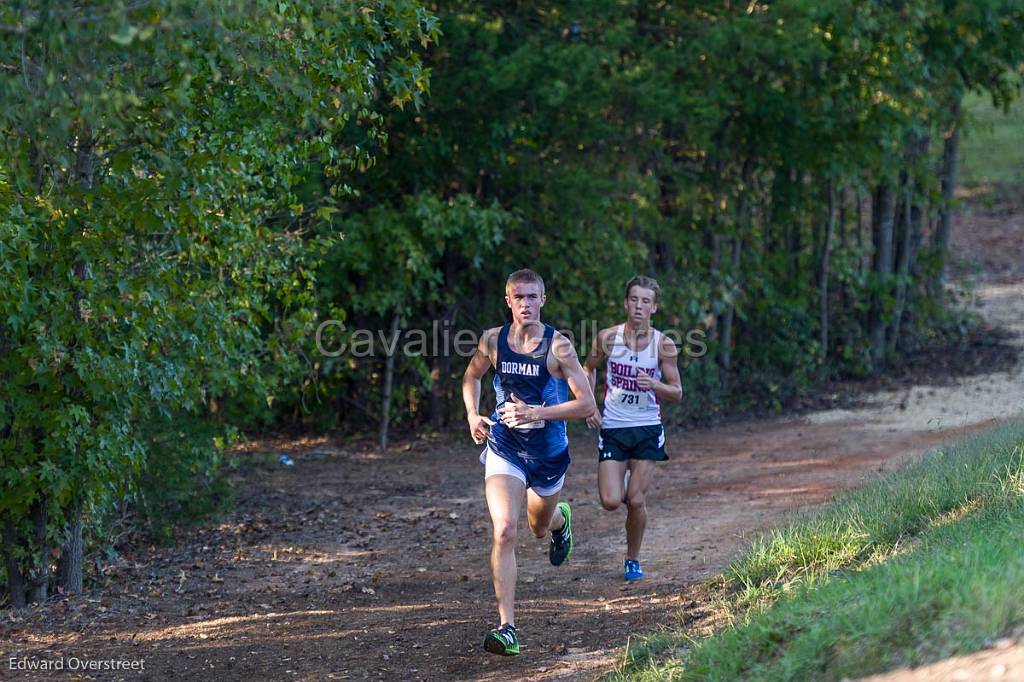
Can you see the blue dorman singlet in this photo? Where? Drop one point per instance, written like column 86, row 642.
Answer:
column 526, row 376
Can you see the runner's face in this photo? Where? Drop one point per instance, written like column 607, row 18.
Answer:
column 640, row 305
column 525, row 301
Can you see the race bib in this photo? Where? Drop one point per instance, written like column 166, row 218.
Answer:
column 629, row 400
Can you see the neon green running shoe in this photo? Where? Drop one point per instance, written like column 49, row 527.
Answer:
column 561, row 540
column 503, row 641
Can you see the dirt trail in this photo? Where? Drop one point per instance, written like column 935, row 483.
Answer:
column 1003, row 661
column 971, row 400
column 358, row 565
column 354, row 565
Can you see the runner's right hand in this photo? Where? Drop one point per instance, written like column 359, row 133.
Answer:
column 594, row 420
column 479, row 428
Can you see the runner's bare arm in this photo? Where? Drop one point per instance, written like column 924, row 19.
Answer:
column 598, row 352
column 515, row 412
column 478, row 365
column 595, row 357
column 670, row 386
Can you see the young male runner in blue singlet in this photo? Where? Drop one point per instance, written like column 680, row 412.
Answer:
column 527, row 450
column 640, row 373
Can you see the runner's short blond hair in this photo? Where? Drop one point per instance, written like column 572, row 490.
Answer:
column 524, row 276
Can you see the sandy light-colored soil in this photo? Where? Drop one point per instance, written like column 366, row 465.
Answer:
column 1002, row 662
column 353, row 564
column 951, row 405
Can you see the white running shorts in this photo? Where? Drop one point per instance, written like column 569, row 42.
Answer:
column 495, row 465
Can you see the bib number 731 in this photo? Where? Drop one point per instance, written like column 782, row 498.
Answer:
column 630, row 400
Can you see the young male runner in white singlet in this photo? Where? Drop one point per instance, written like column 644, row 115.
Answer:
column 641, row 372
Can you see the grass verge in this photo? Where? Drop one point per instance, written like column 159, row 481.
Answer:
column 991, row 151
column 913, row 567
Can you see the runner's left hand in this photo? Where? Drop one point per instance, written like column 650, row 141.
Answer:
column 516, row 413
column 644, row 380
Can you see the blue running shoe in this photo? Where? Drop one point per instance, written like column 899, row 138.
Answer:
column 633, row 570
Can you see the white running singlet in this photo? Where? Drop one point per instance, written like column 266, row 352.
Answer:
column 625, row 403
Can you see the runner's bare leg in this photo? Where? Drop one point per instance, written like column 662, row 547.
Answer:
column 642, row 471
column 504, row 502
column 542, row 513
column 610, row 475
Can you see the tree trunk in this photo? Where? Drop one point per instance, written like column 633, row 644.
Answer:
column 69, row 569
column 437, row 398
column 441, row 361
column 950, row 158
column 440, row 372
column 883, row 214
column 903, row 264
column 917, row 211
column 910, row 241
column 794, row 234
column 908, row 319
column 15, row 579
column 844, row 230
column 744, row 218
column 716, row 248
column 725, row 354
column 823, row 268
column 844, row 236
column 39, row 576
column 902, row 219
column 859, row 196
column 716, row 258
column 916, row 220
column 389, row 375
column 666, row 258
column 70, row 566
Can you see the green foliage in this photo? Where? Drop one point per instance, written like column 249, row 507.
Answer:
column 696, row 143
column 150, row 236
column 182, row 480
column 188, row 191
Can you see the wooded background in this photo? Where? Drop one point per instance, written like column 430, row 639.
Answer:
column 188, row 190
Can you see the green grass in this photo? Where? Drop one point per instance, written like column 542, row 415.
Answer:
column 915, row 566
column 992, row 150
